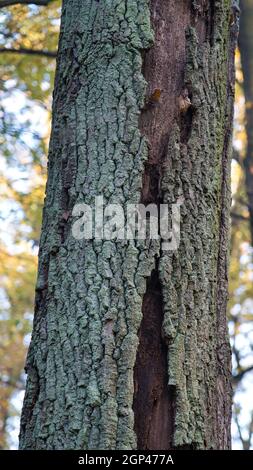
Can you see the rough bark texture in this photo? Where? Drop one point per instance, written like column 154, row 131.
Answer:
column 189, row 157
column 246, row 50
column 129, row 344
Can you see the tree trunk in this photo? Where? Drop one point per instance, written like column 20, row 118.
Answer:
column 129, row 346
column 246, row 50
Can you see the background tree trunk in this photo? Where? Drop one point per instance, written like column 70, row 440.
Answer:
column 246, row 51
column 129, row 346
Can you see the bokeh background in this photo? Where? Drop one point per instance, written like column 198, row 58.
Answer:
column 28, row 44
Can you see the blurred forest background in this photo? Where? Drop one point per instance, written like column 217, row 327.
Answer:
column 28, row 44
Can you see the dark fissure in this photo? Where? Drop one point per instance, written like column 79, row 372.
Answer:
column 153, row 401
column 166, row 70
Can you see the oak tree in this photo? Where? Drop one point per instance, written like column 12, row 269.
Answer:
column 129, row 346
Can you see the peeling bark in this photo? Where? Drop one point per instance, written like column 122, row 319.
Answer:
column 129, row 346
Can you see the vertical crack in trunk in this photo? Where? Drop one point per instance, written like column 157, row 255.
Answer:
column 90, row 296
column 163, row 68
column 167, row 384
column 153, row 401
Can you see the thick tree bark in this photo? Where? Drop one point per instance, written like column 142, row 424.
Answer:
column 246, row 50
column 129, row 346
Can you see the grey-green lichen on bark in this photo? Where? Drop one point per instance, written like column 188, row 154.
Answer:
column 195, row 170
column 89, row 294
